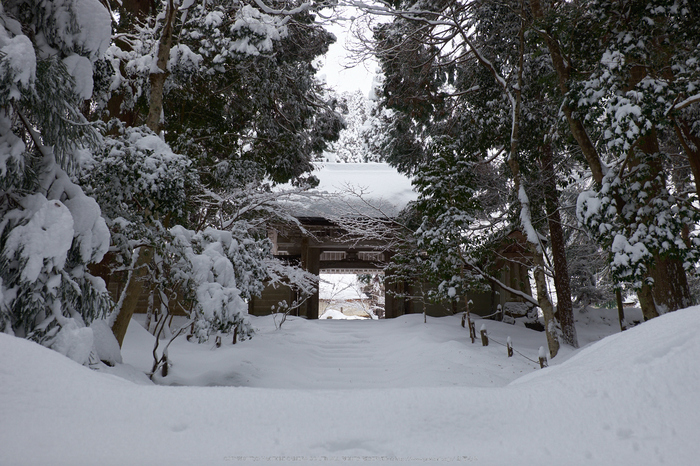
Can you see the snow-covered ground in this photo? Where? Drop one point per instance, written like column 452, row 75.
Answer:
column 390, row 392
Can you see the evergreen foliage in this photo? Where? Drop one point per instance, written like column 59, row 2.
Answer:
column 355, row 142
column 241, row 112
column 50, row 231
column 240, row 86
column 637, row 73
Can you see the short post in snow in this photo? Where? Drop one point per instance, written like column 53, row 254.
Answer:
column 218, row 339
column 191, row 334
column 235, row 334
column 484, row 337
column 467, row 316
column 499, row 313
column 543, row 358
column 509, row 347
column 464, row 319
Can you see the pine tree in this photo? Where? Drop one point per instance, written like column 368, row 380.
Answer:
column 465, row 78
column 634, row 96
column 216, row 101
column 353, row 145
column 50, row 230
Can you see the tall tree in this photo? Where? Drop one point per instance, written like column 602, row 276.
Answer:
column 623, row 91
column 229, row 87
column 354, row 142
column 466, row 68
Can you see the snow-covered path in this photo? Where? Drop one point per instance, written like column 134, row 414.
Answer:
column 351, row 354
column 342, row 354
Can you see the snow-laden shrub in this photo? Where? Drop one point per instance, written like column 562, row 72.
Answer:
column 140, row 184
column 143, row 186
column 208, row 275
column 136, row 171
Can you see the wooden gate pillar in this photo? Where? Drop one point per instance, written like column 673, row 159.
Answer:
column 393, row 306
column 311, row 262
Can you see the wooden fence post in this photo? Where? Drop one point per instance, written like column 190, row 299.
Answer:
column 509, row 347
column 191, row 334
column 484, row 337
column 235, row 335
column 472, row 331
column 543, row 358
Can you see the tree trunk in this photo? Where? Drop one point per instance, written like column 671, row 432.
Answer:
column 525, row 216
column 671, row 290
column 157, row 79
column 468, row 315
column 139, row 8
column 576, row 126
column 544, row 302
column 649, row 144
column 131, row 14
column 133, row 290
column 646, row 302
column 562, row 280
column 691, row 147
column 620, row 310
column 144, row 255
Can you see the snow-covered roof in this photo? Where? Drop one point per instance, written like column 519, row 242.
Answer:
column 373, row 189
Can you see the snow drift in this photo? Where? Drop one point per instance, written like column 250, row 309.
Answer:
column 630, row 399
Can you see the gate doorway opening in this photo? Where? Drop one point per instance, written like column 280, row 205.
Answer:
column 348, row 296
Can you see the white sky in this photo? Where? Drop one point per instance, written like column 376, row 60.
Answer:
column 336, row 75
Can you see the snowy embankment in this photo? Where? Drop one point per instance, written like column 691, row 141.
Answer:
column 422, row 394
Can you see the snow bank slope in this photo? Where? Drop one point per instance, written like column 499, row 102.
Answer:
column 630, row 399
